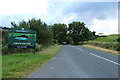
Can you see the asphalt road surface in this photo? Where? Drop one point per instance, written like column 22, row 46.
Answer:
column 79, row 62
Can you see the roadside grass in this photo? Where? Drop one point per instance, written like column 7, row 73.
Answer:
column 113, row 52
column 20, row 65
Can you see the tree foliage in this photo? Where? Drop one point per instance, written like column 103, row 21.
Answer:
column 79, row 32
column 59, row 32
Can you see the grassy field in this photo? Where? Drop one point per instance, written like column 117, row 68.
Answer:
column 109, row 38
column 20, row 65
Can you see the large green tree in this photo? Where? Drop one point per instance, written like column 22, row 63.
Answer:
column 60, row 32
column 79, row 32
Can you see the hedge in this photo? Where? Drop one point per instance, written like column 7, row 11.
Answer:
column 107, row 45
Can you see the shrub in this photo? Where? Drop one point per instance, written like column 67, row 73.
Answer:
column 118, row 40
column 38, row 47
column 5, row 50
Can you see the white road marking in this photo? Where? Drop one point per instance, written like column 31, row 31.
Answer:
column 81, row 49
column 51, row 67
column 105, row 59
column 77, row 48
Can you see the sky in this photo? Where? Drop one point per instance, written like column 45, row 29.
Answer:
column 99, row 16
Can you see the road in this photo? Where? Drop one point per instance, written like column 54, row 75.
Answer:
column 79, row 62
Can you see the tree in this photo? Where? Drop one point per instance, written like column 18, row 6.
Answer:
column 69, row 40
column 94, row 33
column 14, row 25
column 79, row 32
column 59, row 32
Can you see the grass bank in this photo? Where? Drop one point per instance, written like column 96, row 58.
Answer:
column 109, row 38
column 20, row 65
column 109, row 42
column 106, row 45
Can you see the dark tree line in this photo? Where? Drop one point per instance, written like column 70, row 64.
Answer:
column 74, row 33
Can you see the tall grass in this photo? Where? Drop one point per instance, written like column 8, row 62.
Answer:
column 107, row 45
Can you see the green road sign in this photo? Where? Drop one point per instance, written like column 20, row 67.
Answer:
column 22, row 38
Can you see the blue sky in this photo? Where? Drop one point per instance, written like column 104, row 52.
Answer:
column 101, row 17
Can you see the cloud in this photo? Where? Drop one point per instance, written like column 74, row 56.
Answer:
column 86, row 0
column 17, row 10
column 8, row 7
column 69, row 18
column 107, row 26
column 100, row 17
column 96, row 15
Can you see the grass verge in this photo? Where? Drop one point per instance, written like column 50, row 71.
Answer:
column 102, row 49
column 20, row 65
column 107, row 45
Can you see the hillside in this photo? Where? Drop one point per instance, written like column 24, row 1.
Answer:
column 109, row 38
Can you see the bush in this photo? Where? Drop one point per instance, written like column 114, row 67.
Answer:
column 5, row 50
column 55, row 41
column 39, row 47
column 69, row 40
column 118, row 40
column 118, row 49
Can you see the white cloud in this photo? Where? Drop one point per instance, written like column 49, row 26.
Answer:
column 86, row 0
column 70, row 17
column 50, row 12
column 17, row 10
column 107, row 26
column 23, row 6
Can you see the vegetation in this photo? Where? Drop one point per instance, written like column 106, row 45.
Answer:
column 59, row 32
column 107, row 45
column 109, row 42
column 50, row 34
column 102, row 49
column 79, row 32
column 20, row 65
column 73, row 34
column 109, row 38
